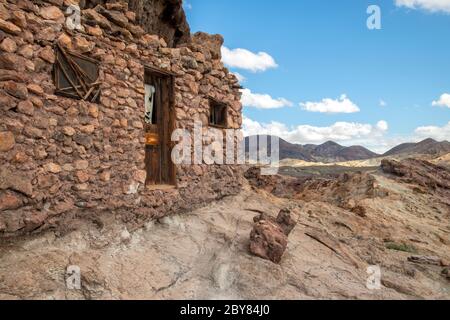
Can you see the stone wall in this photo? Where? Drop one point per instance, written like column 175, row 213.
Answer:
column 163, row 17
column 61, row 156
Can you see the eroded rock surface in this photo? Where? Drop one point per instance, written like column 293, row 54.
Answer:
column 204, row 254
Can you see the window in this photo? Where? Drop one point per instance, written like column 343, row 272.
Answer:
column 217, row 114
column 76, row 76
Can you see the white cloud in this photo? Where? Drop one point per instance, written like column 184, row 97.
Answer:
column 262, row 101
column 444, row 101
column 429, row 5
column 382, row 125
column 239, row 76
column 344, row 132
column 247, row 60
column 437, row 133
column 341, row 105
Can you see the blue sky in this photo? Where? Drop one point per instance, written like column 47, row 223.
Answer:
column 315, row 72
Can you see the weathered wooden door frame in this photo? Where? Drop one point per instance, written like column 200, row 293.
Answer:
column 165, row 125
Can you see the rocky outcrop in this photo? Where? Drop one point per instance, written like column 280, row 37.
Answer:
column 165, row 18
column 269, row 237
column 419, row 172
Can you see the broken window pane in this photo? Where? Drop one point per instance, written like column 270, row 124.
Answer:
column 76, row 76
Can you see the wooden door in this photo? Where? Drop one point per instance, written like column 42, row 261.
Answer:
column 159, row 167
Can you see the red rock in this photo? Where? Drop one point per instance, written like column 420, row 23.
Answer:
column 9, row 27
column 53, row 168
column 26, row 107
column 15, row 181
column 47, row 54
column 93, row 15
column 9, row 201
column 51, row 13
column 82, row 176
column 7, row 102
column 268, row 241
column 18, row 90
column 36, row 89
column 8, row 45
column 7, row 141
column 26, row 51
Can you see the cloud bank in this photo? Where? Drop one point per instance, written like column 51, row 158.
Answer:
column 444, row 101
column 262, row 101
column 247, row 60
column 428, row 5
column 341, row 105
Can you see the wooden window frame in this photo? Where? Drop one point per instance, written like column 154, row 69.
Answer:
column 213, row 103
column 83, row 85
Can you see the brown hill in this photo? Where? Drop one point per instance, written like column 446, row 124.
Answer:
column 428, row 146
column 327, row 152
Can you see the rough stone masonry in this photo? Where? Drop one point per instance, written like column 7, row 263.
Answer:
column 60, row 156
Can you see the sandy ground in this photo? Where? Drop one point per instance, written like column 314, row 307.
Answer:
column 204, row 254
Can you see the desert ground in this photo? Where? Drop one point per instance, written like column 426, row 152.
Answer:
column 395, row 217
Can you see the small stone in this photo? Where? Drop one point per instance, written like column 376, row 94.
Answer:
column 7, row 141
column 93, row 111
column 53, row 168
column 89, row 129
column 131, row 16
column 65, row 41
column 19, row 18
column 83, row 45
column 138, row 125
column 81, row 187
column 7, row 102
column 8, row 45
column 81, row 164
column 69, row 131
column 9, row 27
column 36, row 89
column 124, row 123
column 51, row 13
column 47, row 54
column 94, row 31
column 93, row 15
column 9, row 201
column 34, row 133
column 20, row 157
column 68, row 167
column 18, row 90
column 82, row 176
column 26, row 107
column 105, row 176
column 26, row 51
column 125, row 237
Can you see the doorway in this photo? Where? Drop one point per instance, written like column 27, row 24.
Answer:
column 159, row 124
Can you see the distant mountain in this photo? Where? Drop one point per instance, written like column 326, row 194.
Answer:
column 428, row 146
column 327, row 152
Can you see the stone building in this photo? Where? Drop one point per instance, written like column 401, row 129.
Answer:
column 87, row 107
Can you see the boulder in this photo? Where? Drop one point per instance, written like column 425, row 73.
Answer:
column 269, row 237
column 268, row 241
